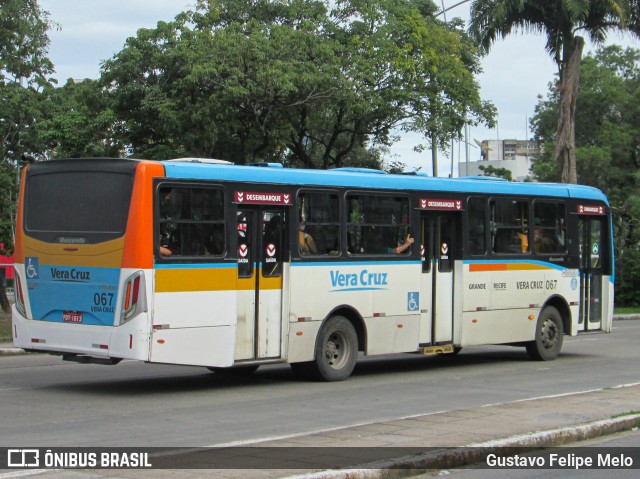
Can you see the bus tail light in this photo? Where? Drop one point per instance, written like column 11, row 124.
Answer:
column 19, row 295
column 134, row 297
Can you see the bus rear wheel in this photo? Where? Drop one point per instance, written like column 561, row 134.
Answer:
column 336, row 352
column 549, row 336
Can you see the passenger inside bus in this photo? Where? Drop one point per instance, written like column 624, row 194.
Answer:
column 168, row 210
column 307, row 244
column 542, row 242
column 408, row 241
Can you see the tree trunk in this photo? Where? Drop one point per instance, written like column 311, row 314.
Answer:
column 565, row 150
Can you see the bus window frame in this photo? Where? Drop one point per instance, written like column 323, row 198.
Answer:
column 491, row 226
column 188, row 259
column 556, row 201
column 409, row 254
column 487, row 227
column 295, row 241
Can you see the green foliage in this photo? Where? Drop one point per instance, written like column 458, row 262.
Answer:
column 23, row 43
column 561, row 22
column 7, row 205
column 79, row 122
column 24, row 67
column 302, row 82
column 497, row 172
column 607, row 150
column 558, row 21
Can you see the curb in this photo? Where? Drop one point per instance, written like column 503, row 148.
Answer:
column 9, row 350
column 452, row 458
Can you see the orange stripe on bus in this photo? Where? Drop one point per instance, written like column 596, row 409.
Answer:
column 487, row 267
column 18, row 252
column 138, row 248
column 480, row 267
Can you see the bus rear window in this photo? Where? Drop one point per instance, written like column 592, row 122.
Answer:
column 77, row 206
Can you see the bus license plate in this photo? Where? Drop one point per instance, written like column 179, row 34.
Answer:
column 71, row 317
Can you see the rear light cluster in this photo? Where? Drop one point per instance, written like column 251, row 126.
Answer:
column 134, row 297
column 19, row 294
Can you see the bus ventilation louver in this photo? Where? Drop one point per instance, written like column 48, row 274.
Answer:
column 134, row 297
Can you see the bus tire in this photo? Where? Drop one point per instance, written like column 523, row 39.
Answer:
column 335, row 355
column 549, row 336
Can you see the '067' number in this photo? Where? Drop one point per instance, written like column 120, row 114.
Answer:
column 104, row 299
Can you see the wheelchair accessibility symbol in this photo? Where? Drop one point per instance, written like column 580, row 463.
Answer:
column 413, row 301
column 32, row 268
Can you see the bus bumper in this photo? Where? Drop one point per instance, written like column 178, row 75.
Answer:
column 129, row 341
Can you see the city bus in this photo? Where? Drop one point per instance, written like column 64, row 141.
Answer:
column 206, row 263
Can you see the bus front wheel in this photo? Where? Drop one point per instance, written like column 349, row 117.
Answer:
column 549, row 335
column 336, row 352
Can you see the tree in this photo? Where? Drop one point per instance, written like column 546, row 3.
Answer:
column 562, row 22
column 24, row 67
column 78, row 122
column 496, row 172
column 293, row 81
column 607, row 149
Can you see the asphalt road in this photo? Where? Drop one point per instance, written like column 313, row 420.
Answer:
column 46, row 401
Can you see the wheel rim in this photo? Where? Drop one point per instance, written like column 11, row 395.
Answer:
column 549, row 333
column 336, row 351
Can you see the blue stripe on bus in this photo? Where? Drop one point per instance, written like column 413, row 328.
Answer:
column 356, row 289
column 331, row 178
column 356, row 263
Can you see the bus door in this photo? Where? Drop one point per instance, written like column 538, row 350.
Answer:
column 440, row 236
column 261, row 234
column 594, row 255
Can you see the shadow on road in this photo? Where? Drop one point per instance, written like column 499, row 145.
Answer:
column 168, row 379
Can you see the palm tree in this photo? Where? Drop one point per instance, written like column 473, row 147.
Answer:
column 562, row 21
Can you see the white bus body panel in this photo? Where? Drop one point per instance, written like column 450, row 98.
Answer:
column 392, row 334
column 270, row 323
column 503, row 299
column 607, row 298
column 196, row 328
column 386, row 295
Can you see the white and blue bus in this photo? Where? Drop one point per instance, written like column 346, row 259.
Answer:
column 229, row 267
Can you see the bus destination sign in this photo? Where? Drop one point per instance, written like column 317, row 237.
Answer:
column 591, row 210
column 263, row 198
column 440, row 204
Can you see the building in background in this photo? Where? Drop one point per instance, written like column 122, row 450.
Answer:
column 514, row 155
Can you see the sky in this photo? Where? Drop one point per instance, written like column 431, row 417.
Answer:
column 515, row 71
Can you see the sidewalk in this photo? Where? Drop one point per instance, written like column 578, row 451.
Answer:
column 409, row 446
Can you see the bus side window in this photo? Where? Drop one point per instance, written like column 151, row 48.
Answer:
column 476, row 224
column 549, row 229
column 318, row 224
column 378, row 224
column 191, row 222
column 169, row 210
column 509, row 226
